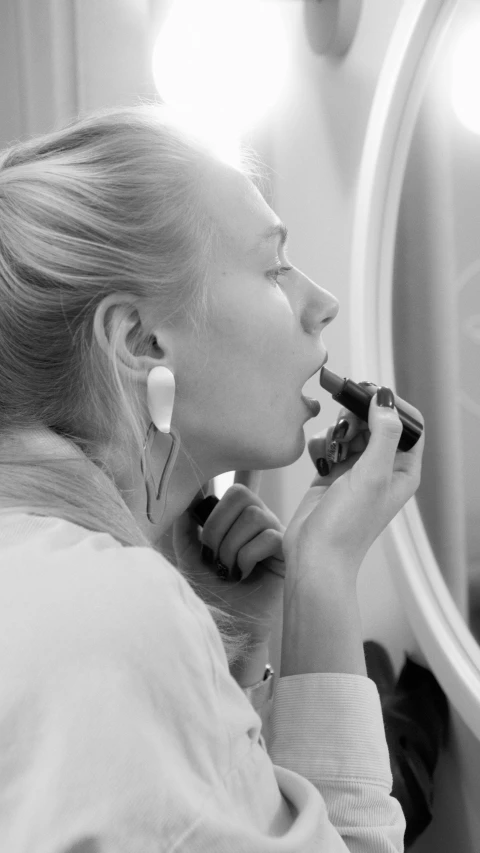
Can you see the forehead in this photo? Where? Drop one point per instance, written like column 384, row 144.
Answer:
column 238, row 208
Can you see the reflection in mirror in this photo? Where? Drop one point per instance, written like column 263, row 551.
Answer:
column 436, row 304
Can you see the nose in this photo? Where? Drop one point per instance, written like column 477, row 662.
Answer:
column 320, row 308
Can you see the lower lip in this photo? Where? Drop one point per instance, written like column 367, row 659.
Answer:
column 313, row 405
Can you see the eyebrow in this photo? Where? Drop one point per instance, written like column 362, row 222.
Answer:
column 278, row 230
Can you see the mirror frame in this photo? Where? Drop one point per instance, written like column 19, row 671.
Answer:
column 443, row 636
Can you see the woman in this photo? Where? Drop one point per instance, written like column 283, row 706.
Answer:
column 153, row 335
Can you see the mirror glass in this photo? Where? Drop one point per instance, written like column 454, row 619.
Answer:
column 436, row 302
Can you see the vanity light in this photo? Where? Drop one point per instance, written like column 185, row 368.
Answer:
column 331, row 24
column 221, row 65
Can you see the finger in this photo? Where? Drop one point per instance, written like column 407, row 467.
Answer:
column 325, row 446
column 355, row 425
column 409, row 409
column 251, row 479
column 399, row 402
column 356, row 445
column 251, row 521
column 386, row 429
column 341, row 450
column 320, row 447
column 266, row 546
column 335, row 471
column 410, row 460
column 317, row 445
column 225, row 514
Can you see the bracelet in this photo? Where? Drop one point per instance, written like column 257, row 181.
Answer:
column 261, row 692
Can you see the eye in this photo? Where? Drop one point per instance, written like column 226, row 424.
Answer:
column 278, row 271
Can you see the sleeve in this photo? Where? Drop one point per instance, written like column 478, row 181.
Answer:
column 126, row 734
column 328, row 728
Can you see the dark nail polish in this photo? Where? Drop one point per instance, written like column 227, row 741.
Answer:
column 385, row 397
column 222, row 571
column 203, row 508
column 322, row 467
column 207, row 555
column 340, row 430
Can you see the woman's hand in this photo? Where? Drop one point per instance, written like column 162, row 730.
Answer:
column 344, row 511
column 245, row 537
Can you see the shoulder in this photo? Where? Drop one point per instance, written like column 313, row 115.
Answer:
column 75, row 594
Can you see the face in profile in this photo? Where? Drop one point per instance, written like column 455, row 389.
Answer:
column 239, row 402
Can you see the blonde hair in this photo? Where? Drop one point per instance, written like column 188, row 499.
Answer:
column 111, row 203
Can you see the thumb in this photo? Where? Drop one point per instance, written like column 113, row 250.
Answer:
column 385, row 430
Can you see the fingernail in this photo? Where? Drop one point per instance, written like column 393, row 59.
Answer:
column 222, row 571
column 385, row 397
column 322, row 467
column 340, row 430
column 207, row 554
column 203, row 508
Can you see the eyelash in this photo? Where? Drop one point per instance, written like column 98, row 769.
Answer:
column 278, row 271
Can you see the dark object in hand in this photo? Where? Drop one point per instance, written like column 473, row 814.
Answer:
column 202, row 509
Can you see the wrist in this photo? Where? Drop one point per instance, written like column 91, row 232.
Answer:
column 260, row 695
column 251, row 670
column 328, row 583
column 322, row 632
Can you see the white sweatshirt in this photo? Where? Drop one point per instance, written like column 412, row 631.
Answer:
column 122, row 731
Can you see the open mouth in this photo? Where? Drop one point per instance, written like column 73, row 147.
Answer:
column 310, row 402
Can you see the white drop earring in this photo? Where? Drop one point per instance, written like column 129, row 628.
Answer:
column 160, row 402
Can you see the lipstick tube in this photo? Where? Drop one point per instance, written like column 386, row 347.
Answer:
column 357, row 399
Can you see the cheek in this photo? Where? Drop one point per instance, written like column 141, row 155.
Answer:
column 244, row 359
column 235, row 351
column 237, row 330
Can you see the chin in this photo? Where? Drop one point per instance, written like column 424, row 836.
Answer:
column 280, row 457
column 272, row 451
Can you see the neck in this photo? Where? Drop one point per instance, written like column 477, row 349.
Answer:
column 186, row 483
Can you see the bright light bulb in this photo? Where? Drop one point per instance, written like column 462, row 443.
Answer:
column 222, row 64
column 465, row 76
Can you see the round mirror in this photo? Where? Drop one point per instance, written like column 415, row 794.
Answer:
column 415, row 318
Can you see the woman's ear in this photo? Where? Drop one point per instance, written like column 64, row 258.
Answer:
column 120, row 330
column 114, row 320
